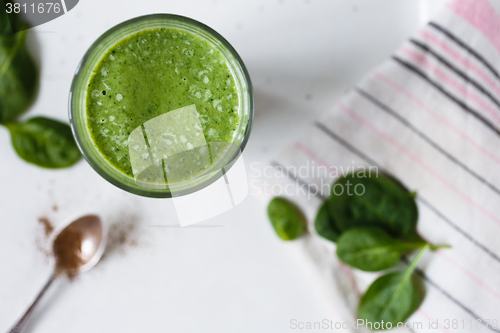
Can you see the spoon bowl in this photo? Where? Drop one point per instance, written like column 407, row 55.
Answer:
column 91, row 233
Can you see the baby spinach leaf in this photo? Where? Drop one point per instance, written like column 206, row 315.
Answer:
column 359, row 199
column 371, row 248
column 287, row 219
column 18, row 76
column 324, row 224
column 45, row 142
column 393, row 297
column 9, row 22
column 4, row 20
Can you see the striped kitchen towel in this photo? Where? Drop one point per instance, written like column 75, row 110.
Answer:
column 430, row 116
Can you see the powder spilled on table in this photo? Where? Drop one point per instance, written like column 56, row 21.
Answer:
column 46, row 225
column 123, row 233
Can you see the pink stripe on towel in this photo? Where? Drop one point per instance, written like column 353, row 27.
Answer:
column 482, row 15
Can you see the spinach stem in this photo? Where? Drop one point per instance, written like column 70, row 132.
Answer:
column 406, row 276
column 414, row 245
column 417, row 239
column 415, row 261
column 441, row 246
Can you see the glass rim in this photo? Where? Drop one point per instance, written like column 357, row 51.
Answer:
column 155, row 193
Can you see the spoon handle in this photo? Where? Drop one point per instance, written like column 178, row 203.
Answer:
column 19, row 327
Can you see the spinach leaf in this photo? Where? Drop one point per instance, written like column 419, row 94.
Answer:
column 287, row 219
column 45, row 142
column 325, row 225
column 9, row 22
column 359, row 199
column 372, row 249
column 393, row 297
column 4, row 20
column 18, row 76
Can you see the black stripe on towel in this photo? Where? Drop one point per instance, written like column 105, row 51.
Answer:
column 462, row 44
column 464, row 106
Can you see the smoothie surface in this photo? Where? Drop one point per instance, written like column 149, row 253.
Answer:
column 152, row 72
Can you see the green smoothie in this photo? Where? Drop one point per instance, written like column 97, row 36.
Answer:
column 152, row 72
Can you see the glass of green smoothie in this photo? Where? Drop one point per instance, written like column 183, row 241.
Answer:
column 161, row 105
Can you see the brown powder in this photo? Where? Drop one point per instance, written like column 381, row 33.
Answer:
column 67, row 250
column 47, row 225
column 124, row 233
column 121, row 235
column 42, row 248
